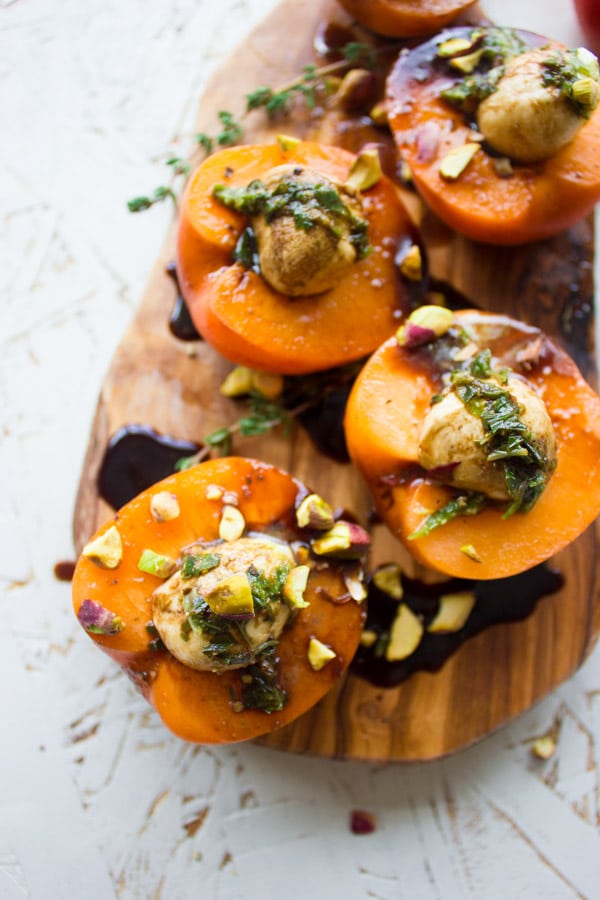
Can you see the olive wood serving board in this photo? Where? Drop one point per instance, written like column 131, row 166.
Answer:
column 154, row 381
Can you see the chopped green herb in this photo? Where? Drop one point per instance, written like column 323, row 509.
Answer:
column 162, row 193
column 262, row 691
column 246, row 250
column 464, row 505
column 575, row 74
column 498, row 45
column 266, row 591
column 194, row 565
column 508, row 440
column 308, row 204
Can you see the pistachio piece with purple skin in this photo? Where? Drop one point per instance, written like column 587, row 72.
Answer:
column 314, row 512
column 96, row 618
column 425, row 324
column 346, row 540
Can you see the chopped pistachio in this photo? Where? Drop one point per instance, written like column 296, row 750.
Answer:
column 106, row 550
column 232, row 597
column 454, row 611
column 379, row 114
column 404, row 172
column 301, row 553
column 213, row 492
column 454, row 46
column 544, row 747
column 426, row 323
column 314, row 512
column 365, row 171
column 237, row 383
column 319, row 654
column 470, row 551
column 405, row 634
column 467, row 63
column 96, row 619
column 356, row 90
column 585, row 93
column 345, row 539
column 388, row 578
column 464, row 353
column 368, row 638
column 412, row 263
column 456, row 160
column 232, row 524
column 294, row 587
column 355, row 586
column 287, row 142
column 156, row 564
column 267, row 384
column 243, row 380
column 164, row 506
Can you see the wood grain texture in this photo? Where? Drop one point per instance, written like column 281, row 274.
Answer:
column 153, row 380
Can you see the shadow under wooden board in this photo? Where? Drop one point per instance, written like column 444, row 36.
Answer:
column 154, row 381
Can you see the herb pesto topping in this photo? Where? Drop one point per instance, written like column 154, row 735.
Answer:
column 495, row 47
column 490, row 437
column 575, row 74
column 508, row 440
column 308, row 204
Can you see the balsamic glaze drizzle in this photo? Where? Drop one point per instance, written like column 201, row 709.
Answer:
column 180, row 321
column 500, row 600
column 136, row 458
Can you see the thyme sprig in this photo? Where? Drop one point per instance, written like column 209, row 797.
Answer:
column 301, row 394
column 313, row 81
column 263, row 415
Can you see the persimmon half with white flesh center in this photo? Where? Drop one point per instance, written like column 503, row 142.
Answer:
column 229, row 593
column 479, row 440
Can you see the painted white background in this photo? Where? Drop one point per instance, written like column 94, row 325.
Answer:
column 95, row 795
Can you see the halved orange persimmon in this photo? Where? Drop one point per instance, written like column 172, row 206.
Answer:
column 247, row 320
column 384, row 422
column 243, row 679
column 405, row 18
column 491, row 199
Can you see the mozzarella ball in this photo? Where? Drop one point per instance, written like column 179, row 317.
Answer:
column 170, row 599
column 525, row 119
column 452, row 436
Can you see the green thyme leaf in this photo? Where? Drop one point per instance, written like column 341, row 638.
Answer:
column 464, row 505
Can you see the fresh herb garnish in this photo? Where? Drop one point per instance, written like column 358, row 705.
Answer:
column 246, row 250
column 508, row 440
column 231, row 132
column 313, row 82
column 308, row 204
column 300, row 395
column 468, row 504
column 162, row 193
column 194, row 565
column 497, row 45
column 260, row 689
column 575, row 74
column 266, row 590
column 223, row 643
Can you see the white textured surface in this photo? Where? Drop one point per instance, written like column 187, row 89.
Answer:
column 95, row 796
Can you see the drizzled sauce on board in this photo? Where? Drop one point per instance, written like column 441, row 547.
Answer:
column 136, row 458
column 501, row 600
column 180, row 321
